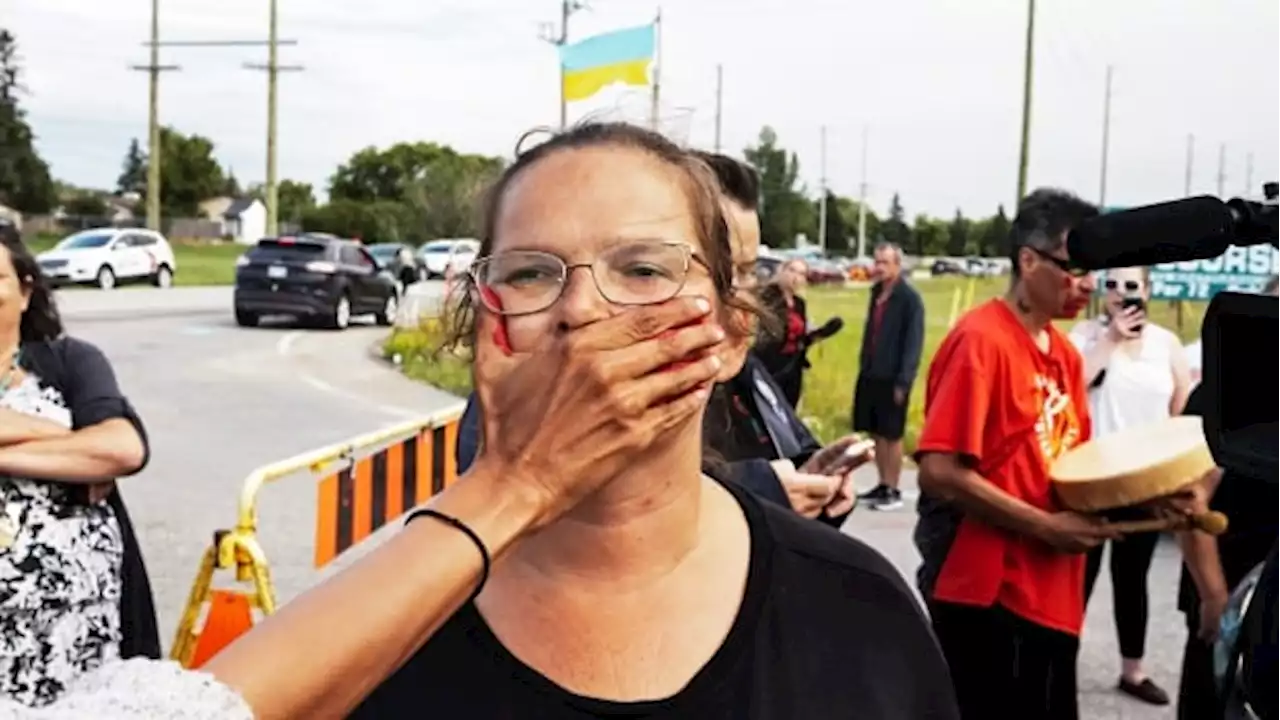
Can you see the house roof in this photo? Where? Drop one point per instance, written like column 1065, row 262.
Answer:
column 238, row 206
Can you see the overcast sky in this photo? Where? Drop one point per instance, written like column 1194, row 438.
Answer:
column 938, row 83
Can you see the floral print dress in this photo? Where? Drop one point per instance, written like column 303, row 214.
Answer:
column 60, row 572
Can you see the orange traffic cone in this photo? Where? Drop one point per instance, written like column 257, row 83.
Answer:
column 229, row 617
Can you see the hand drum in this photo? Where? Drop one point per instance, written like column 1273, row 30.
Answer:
column 1133, row 465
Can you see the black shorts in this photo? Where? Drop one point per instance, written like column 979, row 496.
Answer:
column 874, row 409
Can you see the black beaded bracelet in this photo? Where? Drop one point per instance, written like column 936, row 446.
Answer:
column 461, row 526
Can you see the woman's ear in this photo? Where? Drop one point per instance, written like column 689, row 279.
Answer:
column 739, row 325
column 26, row 284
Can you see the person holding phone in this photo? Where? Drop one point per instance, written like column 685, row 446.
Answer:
column 1137, row 373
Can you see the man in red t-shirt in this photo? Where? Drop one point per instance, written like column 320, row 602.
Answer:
column 1003, row 570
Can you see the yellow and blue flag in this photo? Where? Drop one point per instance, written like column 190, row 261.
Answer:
column 621, row 56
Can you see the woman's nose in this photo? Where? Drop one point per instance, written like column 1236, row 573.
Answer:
column 581, row 302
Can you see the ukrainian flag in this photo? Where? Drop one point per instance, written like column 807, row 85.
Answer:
column 622, row 56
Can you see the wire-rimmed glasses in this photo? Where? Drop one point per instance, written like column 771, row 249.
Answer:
column 521, row 282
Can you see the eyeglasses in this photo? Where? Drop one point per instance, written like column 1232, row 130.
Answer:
column 522, row 282
column 1131, row 286
column 1063, row 264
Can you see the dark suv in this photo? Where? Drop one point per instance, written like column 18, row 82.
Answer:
column 314, row 278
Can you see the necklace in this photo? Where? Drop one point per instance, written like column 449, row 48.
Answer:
column 9, row 377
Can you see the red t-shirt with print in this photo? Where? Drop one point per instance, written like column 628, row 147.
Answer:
column 995, row 397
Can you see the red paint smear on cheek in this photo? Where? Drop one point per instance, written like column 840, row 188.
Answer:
column 500, row 337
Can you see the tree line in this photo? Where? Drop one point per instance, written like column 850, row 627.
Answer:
column 787, row 212
column 417, row 191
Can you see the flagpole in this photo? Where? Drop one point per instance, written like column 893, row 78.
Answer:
column 657, row 69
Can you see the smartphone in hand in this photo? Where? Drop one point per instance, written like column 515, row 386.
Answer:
column 852, row 457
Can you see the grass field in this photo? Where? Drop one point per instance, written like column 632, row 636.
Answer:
column 198, row 263
column 828, row 389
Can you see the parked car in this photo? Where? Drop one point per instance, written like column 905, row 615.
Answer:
column 313, row 278
column 860, row 269
column 823, row 271
column 766, row 267
column 442, row 257
column 399, row 260
column 107, row 257
column 944, row 266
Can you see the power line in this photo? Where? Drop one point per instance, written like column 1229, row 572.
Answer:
column 154, row 68
column 273, row 69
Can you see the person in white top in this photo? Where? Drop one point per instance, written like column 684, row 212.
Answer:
column 1137, row 373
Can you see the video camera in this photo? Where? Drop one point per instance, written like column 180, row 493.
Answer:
column 1239, row 333
column 1240, row 374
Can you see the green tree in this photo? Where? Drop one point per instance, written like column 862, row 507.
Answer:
column 930, row 236
column 189, row 172
column 25, row 182
column 437, row 187
column 378, row 221
column 296, row 199
column 86, row 204
column 849, row 213
column 996, row 238
column 230, row 185
column 838, row 236
column 133, row 171
column 957, row 235
column 896, row 231
column 784, row 210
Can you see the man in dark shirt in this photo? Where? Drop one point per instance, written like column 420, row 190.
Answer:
column 1215, row 565
column 891, row 347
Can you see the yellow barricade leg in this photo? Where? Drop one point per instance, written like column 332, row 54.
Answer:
column 230, row 611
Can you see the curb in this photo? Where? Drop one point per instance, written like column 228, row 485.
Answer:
column 129, row 315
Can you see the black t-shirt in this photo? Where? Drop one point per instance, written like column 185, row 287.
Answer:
column 827, row 629
column 1250, row 506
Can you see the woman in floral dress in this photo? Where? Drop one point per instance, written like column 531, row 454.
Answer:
column 66, row 434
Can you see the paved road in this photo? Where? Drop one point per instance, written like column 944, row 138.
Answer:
column 220, row 400
column 890, row 533
column 133, row 303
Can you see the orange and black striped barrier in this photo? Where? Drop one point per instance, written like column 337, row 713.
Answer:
column 378, row 477
column 356, row 501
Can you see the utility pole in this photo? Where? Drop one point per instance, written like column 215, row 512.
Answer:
column 1024, row 153
column 655, row 99
column 1222, row 168
column 862, row 200
column 822, row 203
column 1248, row 174
column 273, row 69
column 154, row 178
column 720, row 101
column 1106, row 138
column 154, row 68
column 560, row 38
column 1191, row 155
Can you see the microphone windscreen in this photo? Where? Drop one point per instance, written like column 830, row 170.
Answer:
column 1196, row 228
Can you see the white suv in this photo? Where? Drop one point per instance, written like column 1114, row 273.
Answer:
column 441, row 257
column 107, row 257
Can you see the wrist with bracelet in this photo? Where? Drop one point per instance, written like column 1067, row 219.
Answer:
column 485, row 558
